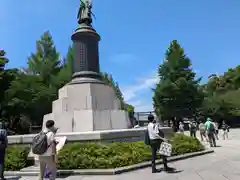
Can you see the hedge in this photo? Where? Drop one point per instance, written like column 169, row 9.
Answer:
column 99, row 155
column 111, row 155
column 16, row 157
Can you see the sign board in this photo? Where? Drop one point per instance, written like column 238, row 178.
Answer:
column 165, row 149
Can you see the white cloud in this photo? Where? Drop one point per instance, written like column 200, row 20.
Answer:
column 145, row 83
column 132, row 94
column 144, row 108
column 141, row 105
column 123, row 58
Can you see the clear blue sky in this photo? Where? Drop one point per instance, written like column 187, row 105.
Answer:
column 135, row 35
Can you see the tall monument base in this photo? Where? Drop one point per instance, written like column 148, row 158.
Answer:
column 82, row 107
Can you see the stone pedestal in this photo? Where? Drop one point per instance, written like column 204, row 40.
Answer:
column 84, row 107
column 86, row 103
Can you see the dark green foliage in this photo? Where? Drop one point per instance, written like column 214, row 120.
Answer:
column 177, row 94
column 222, row 92
column 184, row 144
column 112, row 155
column 3, row 62
column 16, row 157
column 98, row 155
column 32, row 91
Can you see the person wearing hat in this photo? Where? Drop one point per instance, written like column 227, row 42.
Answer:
column 48, row 159
column 210, row 130
column 156, row 137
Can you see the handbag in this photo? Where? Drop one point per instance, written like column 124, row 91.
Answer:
column 146, row 138
column 165, row 149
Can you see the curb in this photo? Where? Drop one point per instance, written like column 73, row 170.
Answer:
column 27, row 172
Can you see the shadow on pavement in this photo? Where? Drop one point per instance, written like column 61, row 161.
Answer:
column 172, row 170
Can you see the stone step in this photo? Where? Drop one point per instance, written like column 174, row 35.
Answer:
column 30, row 169
column 12, row 177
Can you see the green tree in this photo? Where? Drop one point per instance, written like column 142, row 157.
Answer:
column 66, row 72
column 33, row 91
column 45, row 62
column 222, row 92
column 178, row 93
column 108, row 79
column 3, row 62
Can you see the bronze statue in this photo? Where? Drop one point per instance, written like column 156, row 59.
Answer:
column 85, row 12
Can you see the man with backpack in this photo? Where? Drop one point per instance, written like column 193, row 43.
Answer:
column 210, row 129
column 3, row 147
column 44, row 145
column 154, row 138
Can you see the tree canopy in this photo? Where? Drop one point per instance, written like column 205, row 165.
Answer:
column 222, row 92
column 177, row 93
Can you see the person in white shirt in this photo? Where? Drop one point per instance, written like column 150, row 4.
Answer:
column 48, row 159
column 156, row 137
column 181, row 127
column 216, row 125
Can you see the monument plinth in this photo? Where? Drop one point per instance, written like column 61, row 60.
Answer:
column 86, row 103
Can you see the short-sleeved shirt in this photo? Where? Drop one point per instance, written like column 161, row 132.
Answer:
column 202, row 127
column 215, row 125
column 153, row 131
column 51, row 142
column 208, row 124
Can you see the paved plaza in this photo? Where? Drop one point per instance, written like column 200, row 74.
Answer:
column 224, row 164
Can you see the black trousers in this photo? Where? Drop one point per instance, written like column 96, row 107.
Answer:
column 193, row 133
column 155, row 145
column 2, row 158
column 212, row 140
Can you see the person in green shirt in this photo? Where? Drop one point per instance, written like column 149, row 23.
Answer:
column 210, row 130
column 208, row 122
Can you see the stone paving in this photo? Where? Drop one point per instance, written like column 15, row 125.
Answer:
column 224, row 164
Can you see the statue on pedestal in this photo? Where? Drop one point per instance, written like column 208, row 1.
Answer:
column 85, row 12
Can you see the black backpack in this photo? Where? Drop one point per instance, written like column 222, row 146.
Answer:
column 211, row 128
column 40, row 143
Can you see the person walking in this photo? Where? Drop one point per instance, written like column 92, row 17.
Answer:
column 202, row 130
column 156, row 137
column 3, row 147
column 225, row 129
column 216, row 126
column 44, row 145
column 210, row 130
column 193, row 128
column 181, row 127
